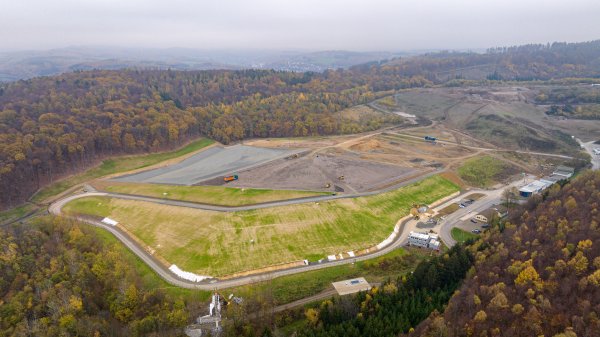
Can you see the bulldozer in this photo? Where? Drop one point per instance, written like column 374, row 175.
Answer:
column 415, row 213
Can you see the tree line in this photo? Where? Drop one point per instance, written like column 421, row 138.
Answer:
column 53, row 126
column 60, row 279
column 537, row 274
column 396, row 306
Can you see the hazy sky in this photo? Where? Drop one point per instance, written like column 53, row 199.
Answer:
column 300, row 24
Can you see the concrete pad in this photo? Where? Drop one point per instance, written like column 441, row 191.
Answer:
column 351, row 286
column 213, row 162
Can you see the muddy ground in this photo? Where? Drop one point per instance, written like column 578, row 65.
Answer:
column 321, row 172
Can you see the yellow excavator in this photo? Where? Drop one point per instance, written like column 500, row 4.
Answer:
column 414, row 211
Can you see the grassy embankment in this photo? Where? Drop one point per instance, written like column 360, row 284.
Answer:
column 461, row 235
column 216, row 195
column 287, row 288
column 291, row 288
column 16, row 213
column 485, row 171
column 217, row 244
column 117, row 165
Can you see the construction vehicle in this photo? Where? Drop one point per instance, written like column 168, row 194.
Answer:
column 430, row 138
column 230, row 178
column 341, row 177
column 415, row 213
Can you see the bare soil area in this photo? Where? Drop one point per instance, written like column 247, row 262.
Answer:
column 321, row 172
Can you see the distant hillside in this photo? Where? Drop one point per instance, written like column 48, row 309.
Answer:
column 28, row 64
column 320, row 61
column 539, row 275
column 529, row 62
column 56, row 125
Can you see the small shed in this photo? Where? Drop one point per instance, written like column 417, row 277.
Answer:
column 351, row 286
column 487, row 215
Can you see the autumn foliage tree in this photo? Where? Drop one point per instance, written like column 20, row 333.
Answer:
column 540, row 276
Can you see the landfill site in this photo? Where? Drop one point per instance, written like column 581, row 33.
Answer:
column 346, row 164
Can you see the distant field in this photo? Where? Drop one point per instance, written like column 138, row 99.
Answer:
column 461, row 236
column 117, row 165
column 485, row 171
column 215, row 195
column 218, row 244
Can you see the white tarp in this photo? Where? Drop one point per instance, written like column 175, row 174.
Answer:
column 109, row 221
column 351, row 254
column 186, row 275
column 387, row 241
column 331, row 258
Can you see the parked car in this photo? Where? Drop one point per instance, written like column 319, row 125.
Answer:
column 473, row 221
column 476, row 231
column 485, row 225
column 461, row 205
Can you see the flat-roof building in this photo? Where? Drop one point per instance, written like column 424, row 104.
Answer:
column 351, row 286
column 424, row 240
column 564, row 171
column 533, row 188
column 552, row 179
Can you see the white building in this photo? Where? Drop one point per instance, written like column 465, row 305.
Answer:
column 564, row 171
column 424, row 240
column 533, row 188
column 434, row 244
column 418, row 239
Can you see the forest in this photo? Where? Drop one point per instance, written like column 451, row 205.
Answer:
column 61, row 279
column 51, row 127
column 394, row 307
column 538, row 274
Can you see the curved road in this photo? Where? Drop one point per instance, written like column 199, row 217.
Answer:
column 210, row 284
column 492, row 197
column 217, row 208
column 484, row 148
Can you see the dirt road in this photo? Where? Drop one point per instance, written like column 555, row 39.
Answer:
column 486, row 148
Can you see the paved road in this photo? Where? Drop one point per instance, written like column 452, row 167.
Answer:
column 491, row 198
column 304, row 301
column 310, row 299
column 277, row 203
column 589, row 148
column 211, row 284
